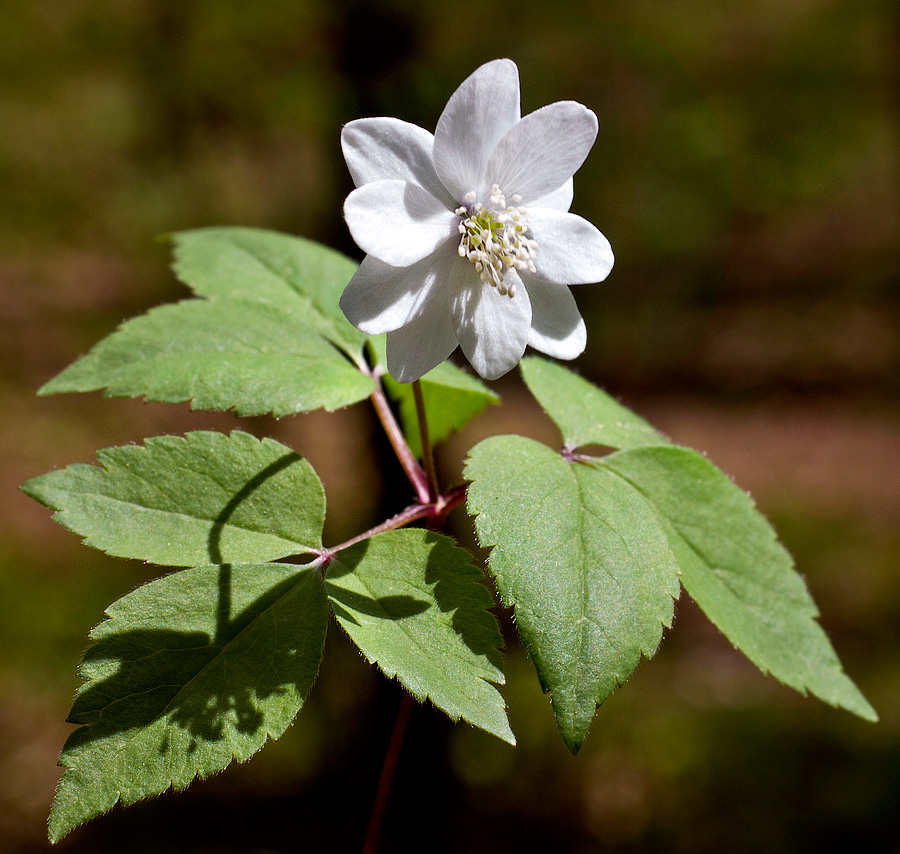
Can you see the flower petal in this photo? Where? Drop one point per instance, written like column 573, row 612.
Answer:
column 542, row 151
column 380, row 298
column 570, row 250
column 386, row 149
column 557, row 327
column 398, row 223
column 424, row 342
column 492, row 328
column 559, row 200
column 478, row 114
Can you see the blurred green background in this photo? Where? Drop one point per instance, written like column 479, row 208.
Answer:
column 747, row 173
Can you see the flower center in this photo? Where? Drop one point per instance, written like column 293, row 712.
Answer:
column 495, row 239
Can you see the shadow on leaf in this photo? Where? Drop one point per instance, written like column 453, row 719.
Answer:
column 213, row 688
column 458, row 589
column 448, row 580
column 384, row 607
column 215, row 533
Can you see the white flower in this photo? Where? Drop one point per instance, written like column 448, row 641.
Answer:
column 467, row 232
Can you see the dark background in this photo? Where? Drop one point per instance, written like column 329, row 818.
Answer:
column 747, row 173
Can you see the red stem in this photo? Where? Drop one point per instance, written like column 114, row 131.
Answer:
column 410, row 464
column 370, row 846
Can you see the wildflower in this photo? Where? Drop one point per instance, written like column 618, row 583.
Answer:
column 467, row 233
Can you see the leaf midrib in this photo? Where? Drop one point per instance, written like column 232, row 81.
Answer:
column 305, row 548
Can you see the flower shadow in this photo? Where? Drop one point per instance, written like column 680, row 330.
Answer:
column 138, row 677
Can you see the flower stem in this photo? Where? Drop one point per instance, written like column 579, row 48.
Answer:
column 370, row 846
column 410, row 464
column 427, row 452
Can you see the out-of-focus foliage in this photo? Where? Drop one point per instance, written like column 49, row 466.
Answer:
column 746, row 173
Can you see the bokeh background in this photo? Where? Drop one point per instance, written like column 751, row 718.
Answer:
column 747, row 173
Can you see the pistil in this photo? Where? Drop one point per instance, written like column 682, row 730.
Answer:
column 495, row 239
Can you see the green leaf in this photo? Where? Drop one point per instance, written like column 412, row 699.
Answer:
column 583, row 559
column 204, row 498
column 188, row 673
column 452, row 399
column 295, row 275
column 412, row 602
column 739, row 574
column 584, row 414
column 220, row 354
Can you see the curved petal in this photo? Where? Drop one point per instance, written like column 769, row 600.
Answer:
column 380, row 298
column 398, row 223
column 559, row 200
column 492, row 329
column 557, row 327
column 423, row 343
column 570, row 250
column 478, row 114
column 542, row 151
column 386, row 149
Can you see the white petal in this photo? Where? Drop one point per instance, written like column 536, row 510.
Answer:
column 380, row 298
column 557, row 327
column 540, row 153
column 570, row 251
column 478, row 114
column 386, row 149
column 398, row 223
column 424, row 342
column 558, row 200
column 492, row 328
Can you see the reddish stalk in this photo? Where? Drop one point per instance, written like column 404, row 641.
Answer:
column 427, row 451
column 410, row 464
column 434, row 507
column 373, row 834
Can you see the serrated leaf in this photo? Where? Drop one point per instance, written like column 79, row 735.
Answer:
column 220, row 354
column 584, row 414
column 204, row 498
column 452, row 399
column 412, row 602
column 291, row 273
column 189, row 672
column 583, row 559
column 739, row 574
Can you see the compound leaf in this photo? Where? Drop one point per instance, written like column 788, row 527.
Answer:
column 223, row 353
column 413, row 603
column 189, row 672
column 739, row 574
column 204, row 498
column 583, row 559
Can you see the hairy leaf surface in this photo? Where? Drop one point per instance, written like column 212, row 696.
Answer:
column 739, row 574
column 204, row 498
column 189, row 672
column 225, row 353
column 413, row 603
column 584, row 414
column 583, row 559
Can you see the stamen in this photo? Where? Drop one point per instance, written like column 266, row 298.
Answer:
column 495, row 238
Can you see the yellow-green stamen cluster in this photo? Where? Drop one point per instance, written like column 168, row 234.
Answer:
column 495, row 239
